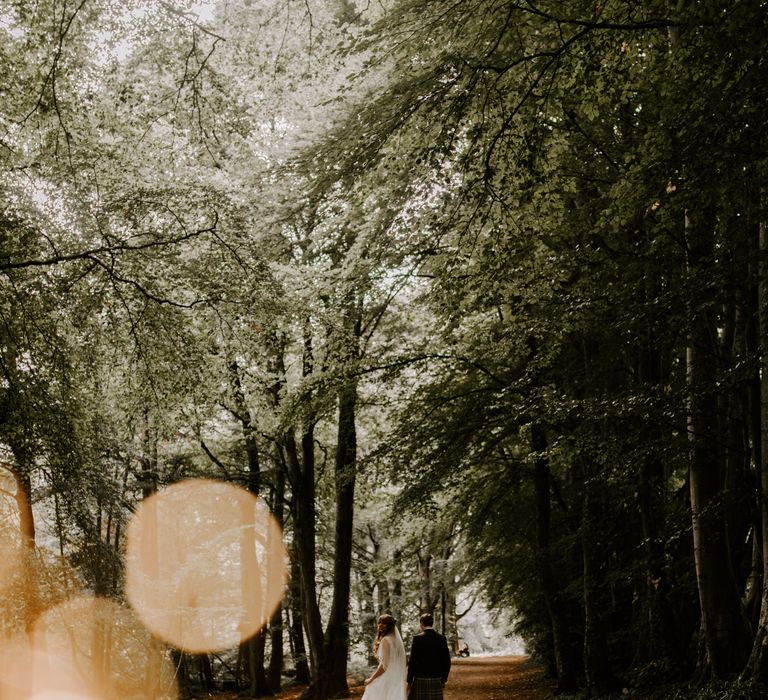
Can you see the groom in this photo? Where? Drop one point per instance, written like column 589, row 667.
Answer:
column 429, row 663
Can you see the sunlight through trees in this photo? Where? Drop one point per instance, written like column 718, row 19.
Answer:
column 469, row 297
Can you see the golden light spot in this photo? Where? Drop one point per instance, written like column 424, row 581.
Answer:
column 205, row 564
column 113, row 652
column 27, row 672
column 61, row 695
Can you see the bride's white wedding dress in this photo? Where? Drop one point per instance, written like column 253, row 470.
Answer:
column 390, row 685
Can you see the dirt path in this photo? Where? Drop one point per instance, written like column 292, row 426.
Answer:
column 496, row 678
column 475, row 678
column 492, row 678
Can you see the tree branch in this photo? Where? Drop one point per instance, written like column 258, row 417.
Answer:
column 191, row 18
column 214, row 458
column 110, row 249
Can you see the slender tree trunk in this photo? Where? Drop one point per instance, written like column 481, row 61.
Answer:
column 384, row 600
column 206, row 672
column 653, row 640
column 303, row 510
column 296, row 628
column 452, row 627
column 182, row 673
column 564, row 653
column 752, row 424
column 367, row 616
column 396, row 586
column 374, row 599
column 252, row 649
column 726, row 630
column 297, row 464
column 149, row 475
column 737, row 477
column 595, row 648
column 332, row 679
column 424, row 569
column 59, row 523
column 757, row 668
column 149, row 547
column 276, row 623
column 300, row 471
column 259, row 686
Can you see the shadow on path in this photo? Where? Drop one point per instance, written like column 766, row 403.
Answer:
column 496, row 678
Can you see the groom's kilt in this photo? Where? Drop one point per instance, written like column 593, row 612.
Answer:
column 426, row 689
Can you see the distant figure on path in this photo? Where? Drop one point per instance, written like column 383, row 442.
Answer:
column 429, row 663
column 388, row 680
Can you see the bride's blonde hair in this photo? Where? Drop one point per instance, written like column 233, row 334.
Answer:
column 389, row 623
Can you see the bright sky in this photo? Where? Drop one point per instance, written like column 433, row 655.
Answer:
column 202, row 12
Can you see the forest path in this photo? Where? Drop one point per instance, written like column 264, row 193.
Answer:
column 496, row 678
column 493, row 678
column 475, row 678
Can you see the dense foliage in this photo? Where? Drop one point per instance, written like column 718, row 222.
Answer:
column 472, row 293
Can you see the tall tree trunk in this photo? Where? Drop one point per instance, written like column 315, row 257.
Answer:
column 276, row 623
column 564, row 652
column 259, row 685
column 725, row 627
column 252, row 649
column 396, row 585
column 374, row 598
column 206, row 672
column 751, row 410
column 332, row 678
column 757, row 668
column 149, row 546
column 595, row 648
column 653, row 640
column 179, row 659
column 302, row 473
column 367, row 615
column 738, row 485
column 384, row 600
column 424, row 569
column 296, row 627
column 297, row 464
column 452, row 627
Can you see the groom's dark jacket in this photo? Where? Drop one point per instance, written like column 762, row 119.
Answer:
column 430, row 657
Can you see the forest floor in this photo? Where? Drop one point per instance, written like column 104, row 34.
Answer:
column 475, row 678
column 496, row 678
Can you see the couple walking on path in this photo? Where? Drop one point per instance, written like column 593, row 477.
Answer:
column 424, row 674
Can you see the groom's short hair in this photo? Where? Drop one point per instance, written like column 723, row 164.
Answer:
column 427, row 620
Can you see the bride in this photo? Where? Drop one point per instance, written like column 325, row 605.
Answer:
column 388, row 680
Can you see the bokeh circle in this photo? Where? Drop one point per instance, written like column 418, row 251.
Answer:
column 205, row 564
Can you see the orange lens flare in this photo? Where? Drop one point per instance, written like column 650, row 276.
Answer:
column 27, row 672
column 61, row 695
column 205, row 564
column 110, row 648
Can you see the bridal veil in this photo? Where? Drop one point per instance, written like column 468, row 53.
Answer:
column 390, row 685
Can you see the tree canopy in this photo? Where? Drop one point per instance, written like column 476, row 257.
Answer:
column 471, row 294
